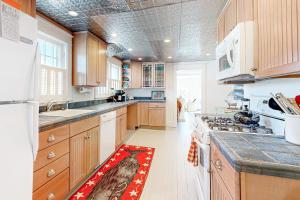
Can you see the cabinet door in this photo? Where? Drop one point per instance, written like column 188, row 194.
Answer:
column 118, row 132
column 147, row 75
column 157, row 117
column 123, row 127
column 159, row 75
column 221, row 28
column 92, row 60
column 136, row 75
column 27, row 6
column 92, row 149
column 277, row 37
column 218, row 188
column 102, row 65
column 144, row 114
column 77, row 158
column 230, row 16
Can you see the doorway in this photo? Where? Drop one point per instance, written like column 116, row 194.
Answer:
column 189, row 92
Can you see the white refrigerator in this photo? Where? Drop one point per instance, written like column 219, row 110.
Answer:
column 19, row 115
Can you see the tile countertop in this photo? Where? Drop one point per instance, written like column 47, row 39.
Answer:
column 46, row 122
column 259, row 154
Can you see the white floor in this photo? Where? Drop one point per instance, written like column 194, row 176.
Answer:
column 171, row 177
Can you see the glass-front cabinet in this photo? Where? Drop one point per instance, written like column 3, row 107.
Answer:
column 147, row 74
column 153, row 75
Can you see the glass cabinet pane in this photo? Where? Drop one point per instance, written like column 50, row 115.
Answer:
column 147, row 75
column 159, row 75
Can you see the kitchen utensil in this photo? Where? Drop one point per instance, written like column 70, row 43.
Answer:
column 247, row 117
column 293, row 110
column 292, row 127
column 297, row 99
column 273, row 105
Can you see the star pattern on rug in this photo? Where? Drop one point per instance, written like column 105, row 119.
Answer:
column 79, row 195
column 133, row 193
column 138, row 182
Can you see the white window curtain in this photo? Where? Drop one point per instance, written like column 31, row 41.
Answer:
column 114, row 80
column 53, row 68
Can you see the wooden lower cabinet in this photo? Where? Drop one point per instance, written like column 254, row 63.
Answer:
column 57, row 188
column 157, row 117
column 84, row 149
column 144, row 116
column 218, row 188
column 121, row 129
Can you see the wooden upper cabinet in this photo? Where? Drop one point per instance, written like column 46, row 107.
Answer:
column 221, row 28
column 27, row 6
column 277, row 37
column 136, row 74
column 89, row 60
column 245, row 10
column 230, row 16
column 102, row 65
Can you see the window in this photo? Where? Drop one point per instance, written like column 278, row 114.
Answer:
column 114, row 81
column 53, row 68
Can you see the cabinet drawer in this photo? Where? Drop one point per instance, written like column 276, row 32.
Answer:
column 58, row 188
column 51, row 154
column 53, row 136
column 229, row 176
column 121, row 111
column 83, row 125
column 50, row 171
column 157, row 105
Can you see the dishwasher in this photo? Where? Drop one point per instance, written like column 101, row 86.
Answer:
column 107, row 135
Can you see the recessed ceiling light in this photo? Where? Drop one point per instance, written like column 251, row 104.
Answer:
column 73, row 13
column 208, row 54
column 167, row 40
column 114, row 34
column 130, row 49
column 170, row 57
column 140, row 59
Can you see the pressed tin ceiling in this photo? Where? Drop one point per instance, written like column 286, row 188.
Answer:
column 143, row 25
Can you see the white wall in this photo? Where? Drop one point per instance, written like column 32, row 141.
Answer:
column 53, row 31
column 260, row 91
column 213, row 94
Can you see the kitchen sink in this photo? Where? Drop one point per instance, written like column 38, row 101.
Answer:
column 65, row 113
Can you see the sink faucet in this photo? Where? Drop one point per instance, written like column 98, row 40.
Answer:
column 51, row 103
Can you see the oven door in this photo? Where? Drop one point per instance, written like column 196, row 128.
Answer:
column 203, row 171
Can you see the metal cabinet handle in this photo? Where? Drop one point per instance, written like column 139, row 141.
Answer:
column 51, row 155
column 51, row 138
column 218, row 164
column 51, row 196
column 51, row 172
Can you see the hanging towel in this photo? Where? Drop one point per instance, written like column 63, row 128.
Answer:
column 193, row 152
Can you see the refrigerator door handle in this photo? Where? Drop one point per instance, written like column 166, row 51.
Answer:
column 33, row 123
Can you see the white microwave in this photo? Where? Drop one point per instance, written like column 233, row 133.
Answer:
column 235, row 54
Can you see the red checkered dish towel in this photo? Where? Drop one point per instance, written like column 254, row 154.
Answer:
column 193, row 152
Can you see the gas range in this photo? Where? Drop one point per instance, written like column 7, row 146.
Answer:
column 219, row 123
column 205, row 124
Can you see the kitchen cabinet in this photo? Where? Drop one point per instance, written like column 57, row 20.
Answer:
column 84, row 149
column 89, row 60
column 228, row 184
column 121, row 126
column 277, row 37
column 230, row 16
column 221, row 28
column 133, row 116
column 144, row 113
column 26, row 6
column 153, row 75
column 218, row 188
column 136, row 75
column 157, row 115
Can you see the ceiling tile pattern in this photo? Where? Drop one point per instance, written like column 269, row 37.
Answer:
column 143, row 25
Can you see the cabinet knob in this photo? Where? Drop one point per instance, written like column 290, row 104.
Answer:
column 51, row 196
column 51, row 138
column 51, row 155
column 51, row 172
column 218, row 164
column 254, row 69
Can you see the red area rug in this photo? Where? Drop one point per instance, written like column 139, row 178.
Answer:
column 122, row 177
